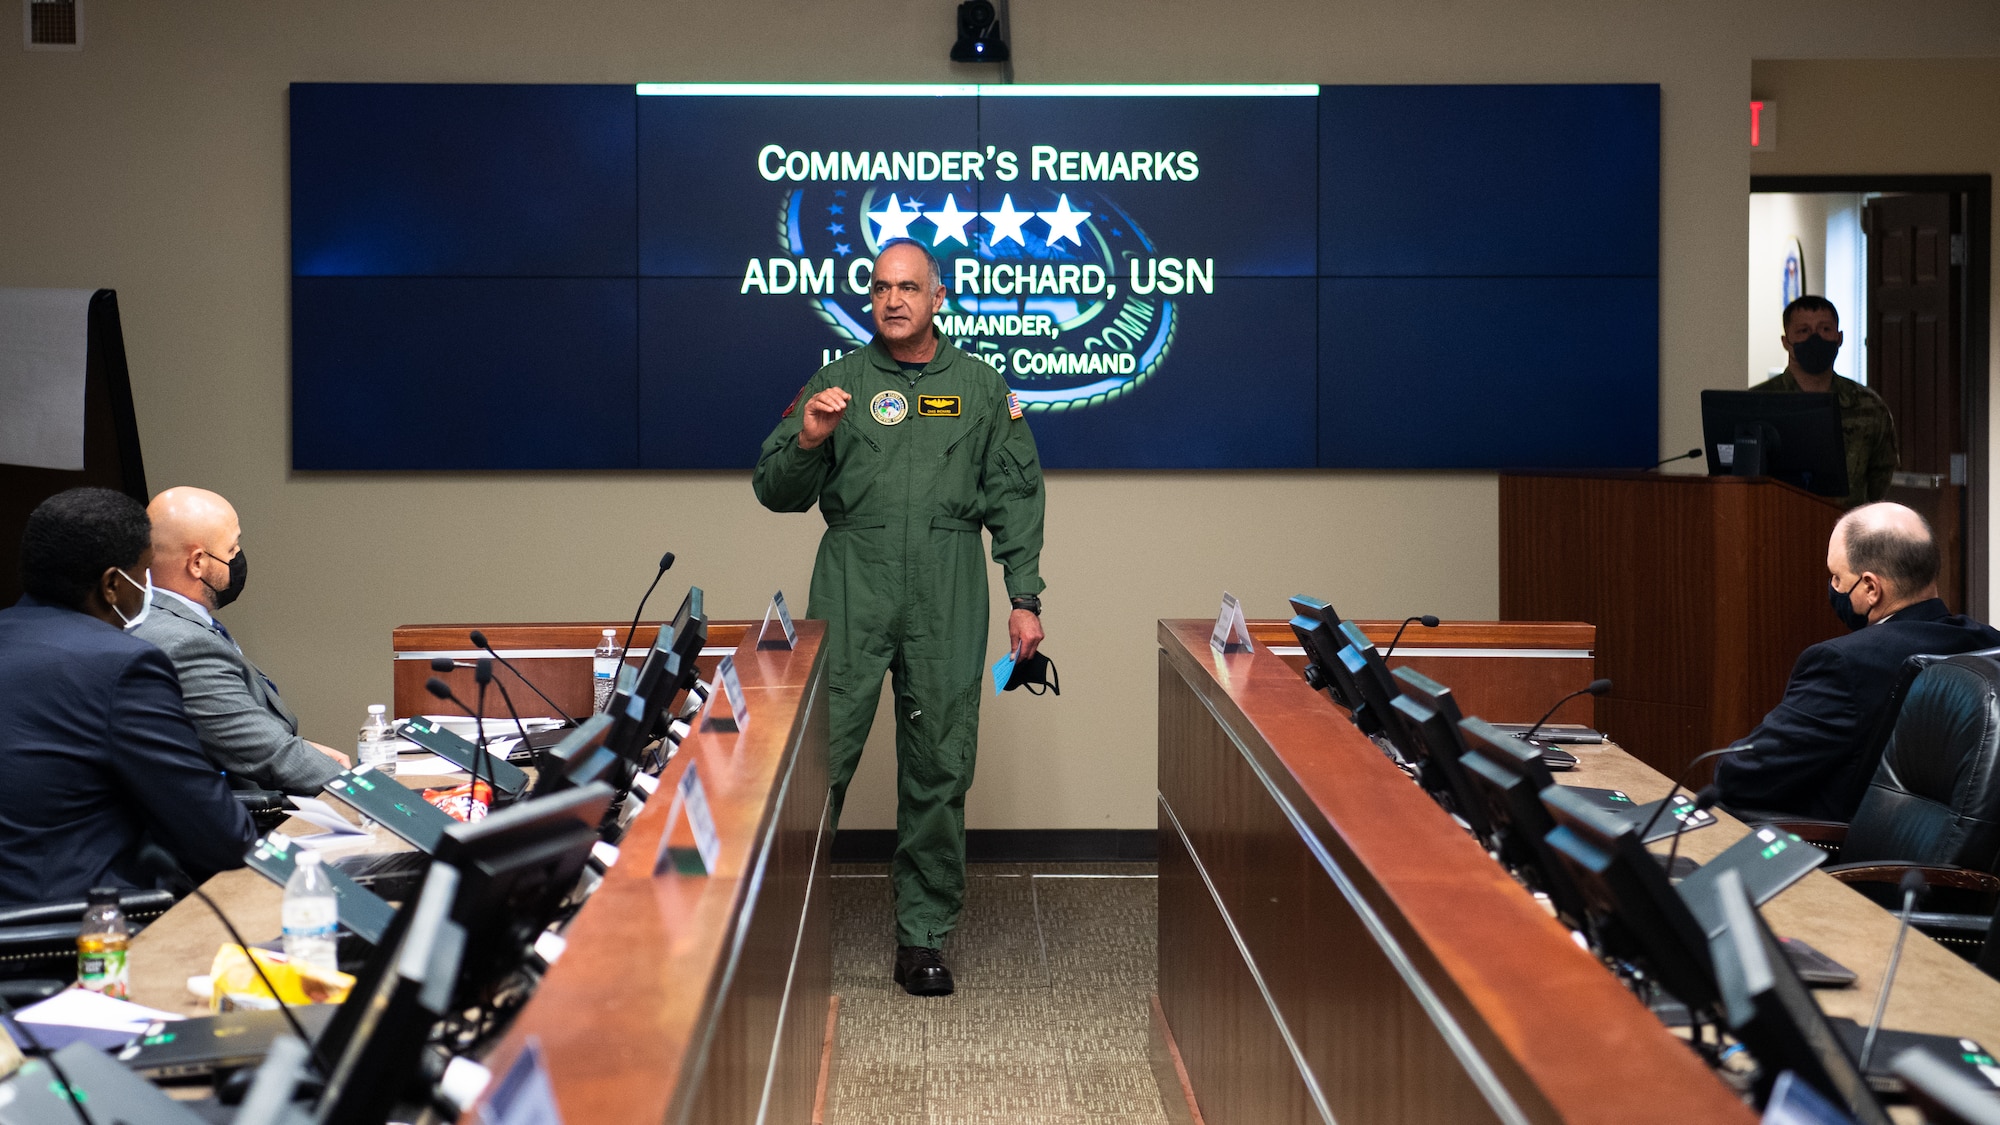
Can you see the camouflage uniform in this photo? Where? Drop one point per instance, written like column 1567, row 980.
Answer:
column 1867, row 430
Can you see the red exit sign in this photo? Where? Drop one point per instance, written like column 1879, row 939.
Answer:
column 1763, row 125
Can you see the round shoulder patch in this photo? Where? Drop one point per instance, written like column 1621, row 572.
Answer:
column 889, row 407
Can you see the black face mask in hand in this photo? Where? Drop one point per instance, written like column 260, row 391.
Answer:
column 1037, row 674
column 1815, row 354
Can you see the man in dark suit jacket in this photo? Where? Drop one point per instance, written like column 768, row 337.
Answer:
column 1883, row 566
column 246, row 729
column 98, row 757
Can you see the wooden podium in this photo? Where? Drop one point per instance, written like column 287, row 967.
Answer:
column 1704, row 591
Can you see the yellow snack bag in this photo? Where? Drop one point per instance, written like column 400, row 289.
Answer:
column 237, row 984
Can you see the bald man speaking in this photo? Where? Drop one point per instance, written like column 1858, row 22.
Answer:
column 1882, row 568
column 245, row 728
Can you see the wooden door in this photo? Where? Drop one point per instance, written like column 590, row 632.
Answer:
column 1914, row 337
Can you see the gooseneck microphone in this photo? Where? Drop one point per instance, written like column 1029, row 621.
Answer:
column 1688, row 456
column 1682, row 780
column 482, row 674
column 1913, row 881
column 479, row 639
column 1594, row 687
column 666, row 564
column 1428, row 621
column 1703, row 801
column 443, row 690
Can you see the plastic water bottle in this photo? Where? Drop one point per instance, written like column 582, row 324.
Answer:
column 100, row 947
column 604, row 671
column 311, row 913
column 377, row 746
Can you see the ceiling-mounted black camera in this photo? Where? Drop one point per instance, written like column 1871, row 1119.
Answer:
column 978, row 34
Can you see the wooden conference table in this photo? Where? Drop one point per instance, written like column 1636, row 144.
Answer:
column 1333, row 947
column 680, row 998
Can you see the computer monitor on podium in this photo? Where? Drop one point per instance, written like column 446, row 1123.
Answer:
column 1791, row 437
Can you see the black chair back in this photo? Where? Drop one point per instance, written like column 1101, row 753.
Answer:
column 40, row 940
column 1935, row 797
column 1852, row 783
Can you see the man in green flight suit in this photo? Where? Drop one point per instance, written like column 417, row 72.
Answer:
column 937, row 449
column 1812, row 338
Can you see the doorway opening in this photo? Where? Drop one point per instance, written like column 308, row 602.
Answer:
column 1905, row 260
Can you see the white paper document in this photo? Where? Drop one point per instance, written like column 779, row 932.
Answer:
column 319, row 814
column 94, row 1011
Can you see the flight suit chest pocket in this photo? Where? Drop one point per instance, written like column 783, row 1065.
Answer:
column 965, row 429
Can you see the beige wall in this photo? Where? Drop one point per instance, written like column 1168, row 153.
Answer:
column 154, row 162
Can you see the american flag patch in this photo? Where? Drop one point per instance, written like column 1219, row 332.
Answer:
column 1013, row 406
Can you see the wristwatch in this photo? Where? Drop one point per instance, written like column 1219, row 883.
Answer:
column 1029, row 602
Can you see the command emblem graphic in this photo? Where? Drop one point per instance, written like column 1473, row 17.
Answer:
column 889, row 407
column 1055, row 285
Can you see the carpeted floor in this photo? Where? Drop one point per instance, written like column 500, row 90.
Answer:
column 1054, row 965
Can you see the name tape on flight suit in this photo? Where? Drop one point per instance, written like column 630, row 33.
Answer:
column 937, row 406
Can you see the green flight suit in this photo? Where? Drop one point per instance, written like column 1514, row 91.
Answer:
column 1866, row 429
column 920, row 461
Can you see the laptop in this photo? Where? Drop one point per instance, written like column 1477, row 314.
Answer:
column 195, row 1047
column 392, row 805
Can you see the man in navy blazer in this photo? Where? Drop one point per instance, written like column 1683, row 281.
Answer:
column 1882, row 564
column 98, row 756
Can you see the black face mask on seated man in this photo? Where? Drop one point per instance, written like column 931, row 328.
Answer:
column 1037, row 674
column 1815, row 354
column 239, row 573
column 1843, row 606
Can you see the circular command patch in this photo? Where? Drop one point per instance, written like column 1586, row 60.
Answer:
column 889, row 407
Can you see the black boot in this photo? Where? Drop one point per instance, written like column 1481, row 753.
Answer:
column 921, row 971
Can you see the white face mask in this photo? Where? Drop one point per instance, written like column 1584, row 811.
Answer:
column 145, row 607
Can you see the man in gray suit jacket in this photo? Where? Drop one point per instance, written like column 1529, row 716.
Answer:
column 245, row 727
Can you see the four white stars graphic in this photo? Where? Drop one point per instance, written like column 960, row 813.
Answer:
column 1063, row 222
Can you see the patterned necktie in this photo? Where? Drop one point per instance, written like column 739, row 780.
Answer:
column 224, row 630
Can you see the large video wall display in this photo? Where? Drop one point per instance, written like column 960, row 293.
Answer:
column 551, row 277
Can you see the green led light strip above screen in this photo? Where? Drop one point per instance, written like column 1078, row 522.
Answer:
column 962, row 90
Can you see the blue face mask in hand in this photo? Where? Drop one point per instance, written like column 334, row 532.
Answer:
column 1037, row 673
column 145, row 607
column 1843, row 606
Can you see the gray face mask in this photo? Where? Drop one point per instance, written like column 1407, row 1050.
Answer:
column 145, row 607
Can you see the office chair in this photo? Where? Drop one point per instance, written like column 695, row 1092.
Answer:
column 1933, row 804
column 38, row 942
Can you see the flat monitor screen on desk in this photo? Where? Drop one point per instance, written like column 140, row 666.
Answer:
column 515, row 868
column 1639, row 917
column 380, row 1061
column 1798, row 434
column 579, row 759
column 1772, row 1013
column 1313, row 623
column 1510, row 775
column 1429, row 716
column 1372, row 683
